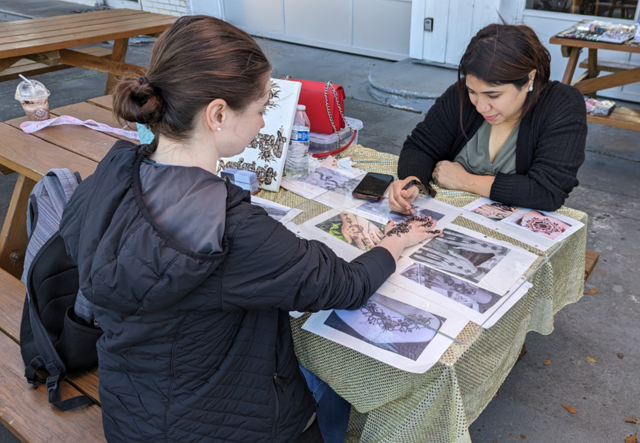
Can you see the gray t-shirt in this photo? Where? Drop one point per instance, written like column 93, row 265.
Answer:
column 475, row 157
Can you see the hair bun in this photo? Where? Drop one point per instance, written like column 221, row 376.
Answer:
column 137, row 100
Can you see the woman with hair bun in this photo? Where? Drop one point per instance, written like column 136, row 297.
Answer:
column 503, row 131
column 191, row 284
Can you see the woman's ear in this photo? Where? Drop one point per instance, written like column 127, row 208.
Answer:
column 216, row 114
column 532, row 75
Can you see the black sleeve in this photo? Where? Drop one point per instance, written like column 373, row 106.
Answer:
column 559, row 153
column 269, row 266
column 432, row 139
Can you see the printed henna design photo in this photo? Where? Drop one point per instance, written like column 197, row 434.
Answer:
column 381, row 208
column 331, row 181
column 390, row 325
column 461, row 292
column 542, row 224
column 353, row 229
column 460, row 254
column 495, row 210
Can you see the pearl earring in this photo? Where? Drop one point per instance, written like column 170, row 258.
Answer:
column 219, row 129
column 530, row 89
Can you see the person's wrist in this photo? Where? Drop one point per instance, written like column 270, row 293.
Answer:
column 467, row 182
column 411, row 177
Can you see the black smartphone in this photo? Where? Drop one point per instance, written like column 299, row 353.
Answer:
column 372, row 186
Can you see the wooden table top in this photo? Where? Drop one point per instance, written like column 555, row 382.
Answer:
column 579, row 43
column 38, row 35
column 65, row 146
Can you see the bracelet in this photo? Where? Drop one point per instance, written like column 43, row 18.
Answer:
column 426, row 190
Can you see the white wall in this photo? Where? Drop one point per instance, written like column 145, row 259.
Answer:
column 455, row 22
column 169, row 7
column 209, row 7
column 82, row 2
column 378, row 28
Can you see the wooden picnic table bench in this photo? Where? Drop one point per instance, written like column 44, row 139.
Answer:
column 24, row 410
column 31, row 156
column 45, row 42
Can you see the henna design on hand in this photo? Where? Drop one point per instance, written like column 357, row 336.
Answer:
column 403, row 228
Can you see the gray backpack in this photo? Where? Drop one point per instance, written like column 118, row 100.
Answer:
column 57, row 333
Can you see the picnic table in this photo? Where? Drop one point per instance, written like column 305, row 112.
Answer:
column 589, row 82
column 42, row 44
column 389, row 405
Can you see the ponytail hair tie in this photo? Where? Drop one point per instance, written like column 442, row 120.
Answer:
column 143, row 80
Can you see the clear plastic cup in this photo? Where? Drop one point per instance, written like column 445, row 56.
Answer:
column 34, row 98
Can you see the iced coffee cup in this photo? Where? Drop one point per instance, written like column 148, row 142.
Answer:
column 34, row 98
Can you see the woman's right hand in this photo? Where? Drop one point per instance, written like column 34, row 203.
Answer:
column 400, row 199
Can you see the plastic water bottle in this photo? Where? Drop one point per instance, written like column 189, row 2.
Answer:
column 297, row 165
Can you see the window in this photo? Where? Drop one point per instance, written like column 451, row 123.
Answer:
column 620, row 9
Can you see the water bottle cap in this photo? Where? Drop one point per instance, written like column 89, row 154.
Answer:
column 301, row 107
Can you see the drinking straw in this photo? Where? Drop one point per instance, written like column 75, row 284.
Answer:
column 27, row 80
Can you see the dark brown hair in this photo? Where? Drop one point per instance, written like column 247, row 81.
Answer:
column 501, row 53
column 199, row 59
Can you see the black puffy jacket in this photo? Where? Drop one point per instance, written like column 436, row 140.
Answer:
column 198, row 347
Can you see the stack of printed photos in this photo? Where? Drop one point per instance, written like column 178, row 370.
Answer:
column 438, row 287
column 539, row 229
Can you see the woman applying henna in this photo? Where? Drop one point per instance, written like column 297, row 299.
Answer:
column 503, row 130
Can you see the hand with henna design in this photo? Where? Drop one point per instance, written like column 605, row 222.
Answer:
column 408, row 233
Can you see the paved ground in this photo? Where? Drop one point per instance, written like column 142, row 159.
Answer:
column 601, row 326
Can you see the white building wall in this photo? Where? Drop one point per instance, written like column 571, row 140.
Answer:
column 177, row 8
column 170, row 7
column 82, row 2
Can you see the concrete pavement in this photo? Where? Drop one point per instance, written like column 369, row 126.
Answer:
column 528, row 407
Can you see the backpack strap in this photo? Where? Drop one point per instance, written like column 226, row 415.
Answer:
column 52, row 192
column 68, row 180
column 48, row 358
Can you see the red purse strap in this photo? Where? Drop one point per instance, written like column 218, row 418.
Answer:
column 326, row 102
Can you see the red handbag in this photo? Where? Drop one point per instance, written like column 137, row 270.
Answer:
column 324, row 103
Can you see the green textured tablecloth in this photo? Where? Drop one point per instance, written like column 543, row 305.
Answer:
column 390, row 405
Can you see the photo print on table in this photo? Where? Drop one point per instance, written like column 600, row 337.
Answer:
column 281, row 213
column 389, row 324
column 333, row 181
column 397, row 327
column 541, row 224
column 353, row 229
column 459, row 254
column 495, row 210
column 381, row 208
column 461, row 292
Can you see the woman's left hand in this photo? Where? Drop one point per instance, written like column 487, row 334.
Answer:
column 450, row 175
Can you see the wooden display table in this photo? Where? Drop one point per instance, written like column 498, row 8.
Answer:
column 589, row 82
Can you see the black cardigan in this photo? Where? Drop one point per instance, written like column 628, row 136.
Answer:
column 549, row 150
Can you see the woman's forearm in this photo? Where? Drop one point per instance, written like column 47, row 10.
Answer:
column 479, row 184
